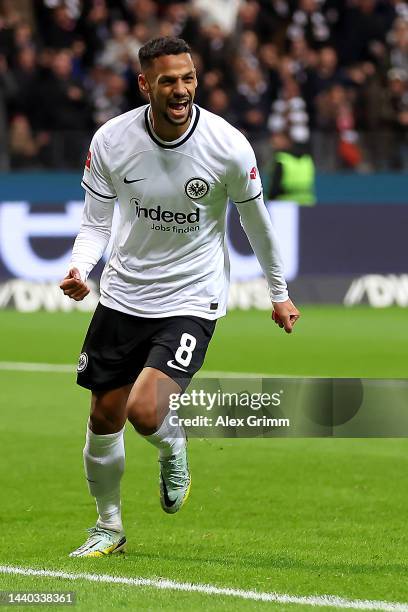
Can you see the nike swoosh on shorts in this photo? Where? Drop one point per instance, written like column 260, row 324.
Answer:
column 171, row 364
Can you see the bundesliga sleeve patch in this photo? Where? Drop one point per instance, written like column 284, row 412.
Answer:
column 88, row 161
column 253, row 173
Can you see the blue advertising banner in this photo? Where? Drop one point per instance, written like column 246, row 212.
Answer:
column 347, row 254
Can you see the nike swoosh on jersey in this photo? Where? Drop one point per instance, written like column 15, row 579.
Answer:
column 169, row 503
column 132, row 181
column 171, row 364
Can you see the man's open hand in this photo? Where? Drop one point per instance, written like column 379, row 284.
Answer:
column 73, row 286
column 285, row 314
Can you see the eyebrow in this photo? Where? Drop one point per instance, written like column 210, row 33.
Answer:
column 165, row 77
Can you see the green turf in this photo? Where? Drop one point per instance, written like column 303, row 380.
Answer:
column 328, row 341
column 292, row 516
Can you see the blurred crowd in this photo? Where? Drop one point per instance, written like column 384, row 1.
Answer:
column 332, row 75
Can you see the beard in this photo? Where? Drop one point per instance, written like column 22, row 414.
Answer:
column 182, row 121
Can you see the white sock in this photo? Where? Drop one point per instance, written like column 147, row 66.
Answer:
column 104, row 461
column 169, row 438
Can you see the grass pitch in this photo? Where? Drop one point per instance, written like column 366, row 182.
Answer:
column 302, row 517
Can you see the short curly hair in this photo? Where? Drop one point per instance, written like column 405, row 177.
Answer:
column 166, row 45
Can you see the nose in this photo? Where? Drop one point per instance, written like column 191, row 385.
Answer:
column 179, row 88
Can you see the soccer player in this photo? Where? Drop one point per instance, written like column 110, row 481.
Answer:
column 172, row 167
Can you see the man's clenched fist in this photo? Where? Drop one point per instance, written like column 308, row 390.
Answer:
column 285, row 314
column 73, row 286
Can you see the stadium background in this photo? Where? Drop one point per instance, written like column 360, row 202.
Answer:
column 329, row 514
column 331, row 74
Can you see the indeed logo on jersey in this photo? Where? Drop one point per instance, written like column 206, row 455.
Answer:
column 168, row 216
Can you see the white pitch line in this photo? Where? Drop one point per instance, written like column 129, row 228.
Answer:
column 67, row 368
column 208, row 589
column 21, row 366
column 221, row 374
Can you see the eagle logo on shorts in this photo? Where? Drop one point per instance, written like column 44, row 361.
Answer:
column 196, row 188
column 82, row 362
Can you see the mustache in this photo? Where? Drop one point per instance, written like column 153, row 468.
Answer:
column 181, row 99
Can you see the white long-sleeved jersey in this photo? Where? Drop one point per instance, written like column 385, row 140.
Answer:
column 169, row 255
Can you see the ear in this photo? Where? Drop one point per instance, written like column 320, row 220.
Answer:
column 143, row 84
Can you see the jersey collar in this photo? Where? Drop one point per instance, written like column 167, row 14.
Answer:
column 195, row 115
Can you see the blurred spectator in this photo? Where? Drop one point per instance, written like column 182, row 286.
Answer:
column 368, row 92
column 251, row 101
column 397, row 115
column 336, row 140
column 215, row 48
column 398, row 39
column 111, row 99
column 10, row 17
column 121, row 49
column 269, row 63
column 24, row 149
column 382, row 104
column 363, row 32
column 94, row 29
column 248, row 48
column 78, row 59
column 144, row 12
column 401, row 8
column 64, row 111
column 278, row 10
column 289, row 114
column 264, row 18
column 23, row 36
column 304, row 59
column 182, row 22
column 292, row 173
column 64, row 101
column 321, row 77
column 249, row 15
column 59, row 28
column 219, row 103
column 27, row 81
column 309, row 23
column 303, row 66
column 222, row 14
column 8, row 92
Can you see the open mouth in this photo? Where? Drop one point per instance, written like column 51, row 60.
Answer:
column 178, row 108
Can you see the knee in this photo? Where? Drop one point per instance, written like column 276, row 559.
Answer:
column 105, row 417
column 142, row 413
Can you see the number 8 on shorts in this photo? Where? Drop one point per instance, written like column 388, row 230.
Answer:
column 184, row 352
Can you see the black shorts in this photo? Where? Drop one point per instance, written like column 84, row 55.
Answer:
column 118, row 346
